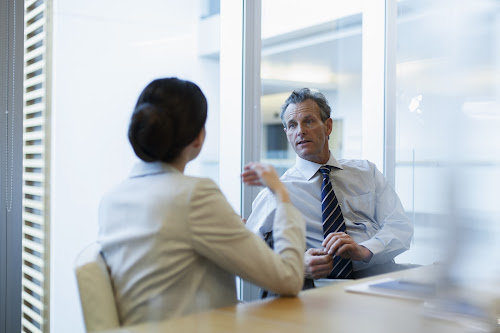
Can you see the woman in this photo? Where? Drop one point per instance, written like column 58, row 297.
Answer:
column 172, row 242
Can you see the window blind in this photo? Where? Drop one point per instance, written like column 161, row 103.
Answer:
column 36, row 172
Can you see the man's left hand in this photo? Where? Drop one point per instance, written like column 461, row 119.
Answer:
column 341, row 244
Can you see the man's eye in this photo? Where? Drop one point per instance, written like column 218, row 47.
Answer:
column 291, row 125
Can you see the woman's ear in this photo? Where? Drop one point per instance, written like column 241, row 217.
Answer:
column 200, row 138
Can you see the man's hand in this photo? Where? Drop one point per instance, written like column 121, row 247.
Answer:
column 341, row 244
column 317, row 264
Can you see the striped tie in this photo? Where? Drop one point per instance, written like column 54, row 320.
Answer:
column 333, row 221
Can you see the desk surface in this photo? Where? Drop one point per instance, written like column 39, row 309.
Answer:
column 327, row 309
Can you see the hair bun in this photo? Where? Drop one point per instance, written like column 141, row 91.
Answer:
column 152, row 132
column 169, row 115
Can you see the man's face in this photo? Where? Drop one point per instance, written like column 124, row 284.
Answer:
column 306, row 132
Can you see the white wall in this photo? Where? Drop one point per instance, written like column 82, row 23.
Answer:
column 104, row 53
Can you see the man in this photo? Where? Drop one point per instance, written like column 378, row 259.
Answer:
column 370, row 227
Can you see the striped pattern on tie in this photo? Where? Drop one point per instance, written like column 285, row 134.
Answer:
column 333, row 221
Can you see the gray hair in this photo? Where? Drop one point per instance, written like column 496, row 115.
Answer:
column 300, row 95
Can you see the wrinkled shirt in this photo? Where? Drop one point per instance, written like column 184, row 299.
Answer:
column 373, row 214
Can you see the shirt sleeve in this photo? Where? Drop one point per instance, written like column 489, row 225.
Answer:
column 261, row 219
column 220, row 236
column 395, row 230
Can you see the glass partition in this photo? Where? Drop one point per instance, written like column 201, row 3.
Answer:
column 448, row 126
column 448, row 152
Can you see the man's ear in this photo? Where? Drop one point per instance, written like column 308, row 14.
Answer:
column 329, row 126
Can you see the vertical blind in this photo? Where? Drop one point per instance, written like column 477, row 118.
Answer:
column 35, row 205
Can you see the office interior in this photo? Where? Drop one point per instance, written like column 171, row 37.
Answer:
column 414, row 87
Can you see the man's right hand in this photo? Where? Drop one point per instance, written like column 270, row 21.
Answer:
column 317, row 264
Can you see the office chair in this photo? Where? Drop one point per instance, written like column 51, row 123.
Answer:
column 96, row 290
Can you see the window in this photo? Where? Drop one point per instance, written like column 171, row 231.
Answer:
column 317, row 46
column 447, row 132
column 336, row 47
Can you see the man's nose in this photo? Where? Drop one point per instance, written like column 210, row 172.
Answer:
column 300, row 129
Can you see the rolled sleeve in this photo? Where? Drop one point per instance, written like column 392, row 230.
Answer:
column 261, row 219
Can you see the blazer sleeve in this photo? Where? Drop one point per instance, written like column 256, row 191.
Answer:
column 221, row 237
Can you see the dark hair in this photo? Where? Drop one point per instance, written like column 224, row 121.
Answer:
column 168, row 116
column 300, row 95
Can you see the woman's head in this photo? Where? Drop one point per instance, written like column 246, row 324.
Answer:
column 168, row 116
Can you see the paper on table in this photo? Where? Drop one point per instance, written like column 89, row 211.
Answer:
column 394, row 288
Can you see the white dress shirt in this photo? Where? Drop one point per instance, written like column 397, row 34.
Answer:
column 174, row 245
column 373, row 214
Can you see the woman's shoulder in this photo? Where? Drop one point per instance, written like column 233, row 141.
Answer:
column 187, row 185
column 202, row 185
column 198, row 181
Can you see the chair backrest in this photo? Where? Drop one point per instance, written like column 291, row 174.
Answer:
column 96, row 290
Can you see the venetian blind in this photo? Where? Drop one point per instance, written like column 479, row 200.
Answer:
column 35, row 216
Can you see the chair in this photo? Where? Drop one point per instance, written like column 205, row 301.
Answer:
column 96, row 291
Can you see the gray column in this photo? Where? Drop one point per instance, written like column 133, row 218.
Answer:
column 11, row 135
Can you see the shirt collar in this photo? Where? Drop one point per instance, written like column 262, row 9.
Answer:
column 309, row 169
column 141, row 169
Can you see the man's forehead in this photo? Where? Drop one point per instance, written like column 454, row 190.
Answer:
column 304, row 109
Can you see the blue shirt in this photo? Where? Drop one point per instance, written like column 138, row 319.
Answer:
column 373, row 213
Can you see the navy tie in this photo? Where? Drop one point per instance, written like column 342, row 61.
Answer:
column 333, row 221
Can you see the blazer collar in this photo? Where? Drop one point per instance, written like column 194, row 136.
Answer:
column 141, row 169
column 309, row 169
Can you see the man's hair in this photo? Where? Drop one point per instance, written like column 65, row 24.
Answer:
column 300, row 95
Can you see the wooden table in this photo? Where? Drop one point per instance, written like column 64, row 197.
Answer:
column 320, row 310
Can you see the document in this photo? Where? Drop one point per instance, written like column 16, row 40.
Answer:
column 395, row 288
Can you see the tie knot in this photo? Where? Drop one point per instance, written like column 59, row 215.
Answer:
column 325, row 170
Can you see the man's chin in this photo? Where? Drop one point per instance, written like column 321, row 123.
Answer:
column 303, row 154
column 309, row 156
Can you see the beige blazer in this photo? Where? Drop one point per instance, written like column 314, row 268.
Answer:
column 174, row 246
